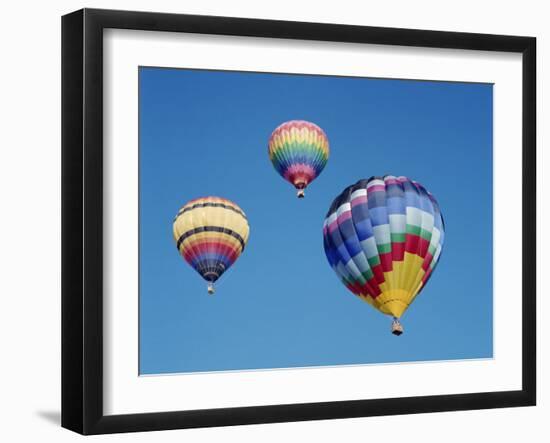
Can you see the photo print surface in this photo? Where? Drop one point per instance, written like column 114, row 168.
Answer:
column 291, row 220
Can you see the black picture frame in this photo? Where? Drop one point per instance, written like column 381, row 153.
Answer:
column 82, row 220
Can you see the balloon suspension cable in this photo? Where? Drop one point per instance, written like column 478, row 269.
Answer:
column 211, row 289
column 300, row 189
column 396, row 327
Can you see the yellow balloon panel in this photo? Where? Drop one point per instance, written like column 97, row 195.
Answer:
column 400, row 287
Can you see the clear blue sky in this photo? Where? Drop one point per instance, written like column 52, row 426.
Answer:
column 281, row 305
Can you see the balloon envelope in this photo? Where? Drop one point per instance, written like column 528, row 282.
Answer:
column 383, row 238
column 210, row 234
column 299, row 151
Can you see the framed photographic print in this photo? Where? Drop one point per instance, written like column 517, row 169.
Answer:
column 269, row 221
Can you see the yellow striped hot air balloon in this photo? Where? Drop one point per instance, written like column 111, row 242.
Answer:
column 210, row 234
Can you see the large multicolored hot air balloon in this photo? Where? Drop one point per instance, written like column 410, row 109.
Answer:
column 299, row 151
column 383, row 238
column 210, row 234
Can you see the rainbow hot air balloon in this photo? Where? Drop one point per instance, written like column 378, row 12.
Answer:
column 299, row 151
column 210, row 234
column 383, row 238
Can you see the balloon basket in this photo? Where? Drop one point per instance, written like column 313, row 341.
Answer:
column 396, row 327
column 300, row 193
column 211, row 288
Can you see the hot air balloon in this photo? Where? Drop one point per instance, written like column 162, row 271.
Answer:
column 299, row 151
column 383, row 238
column 210, row 234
